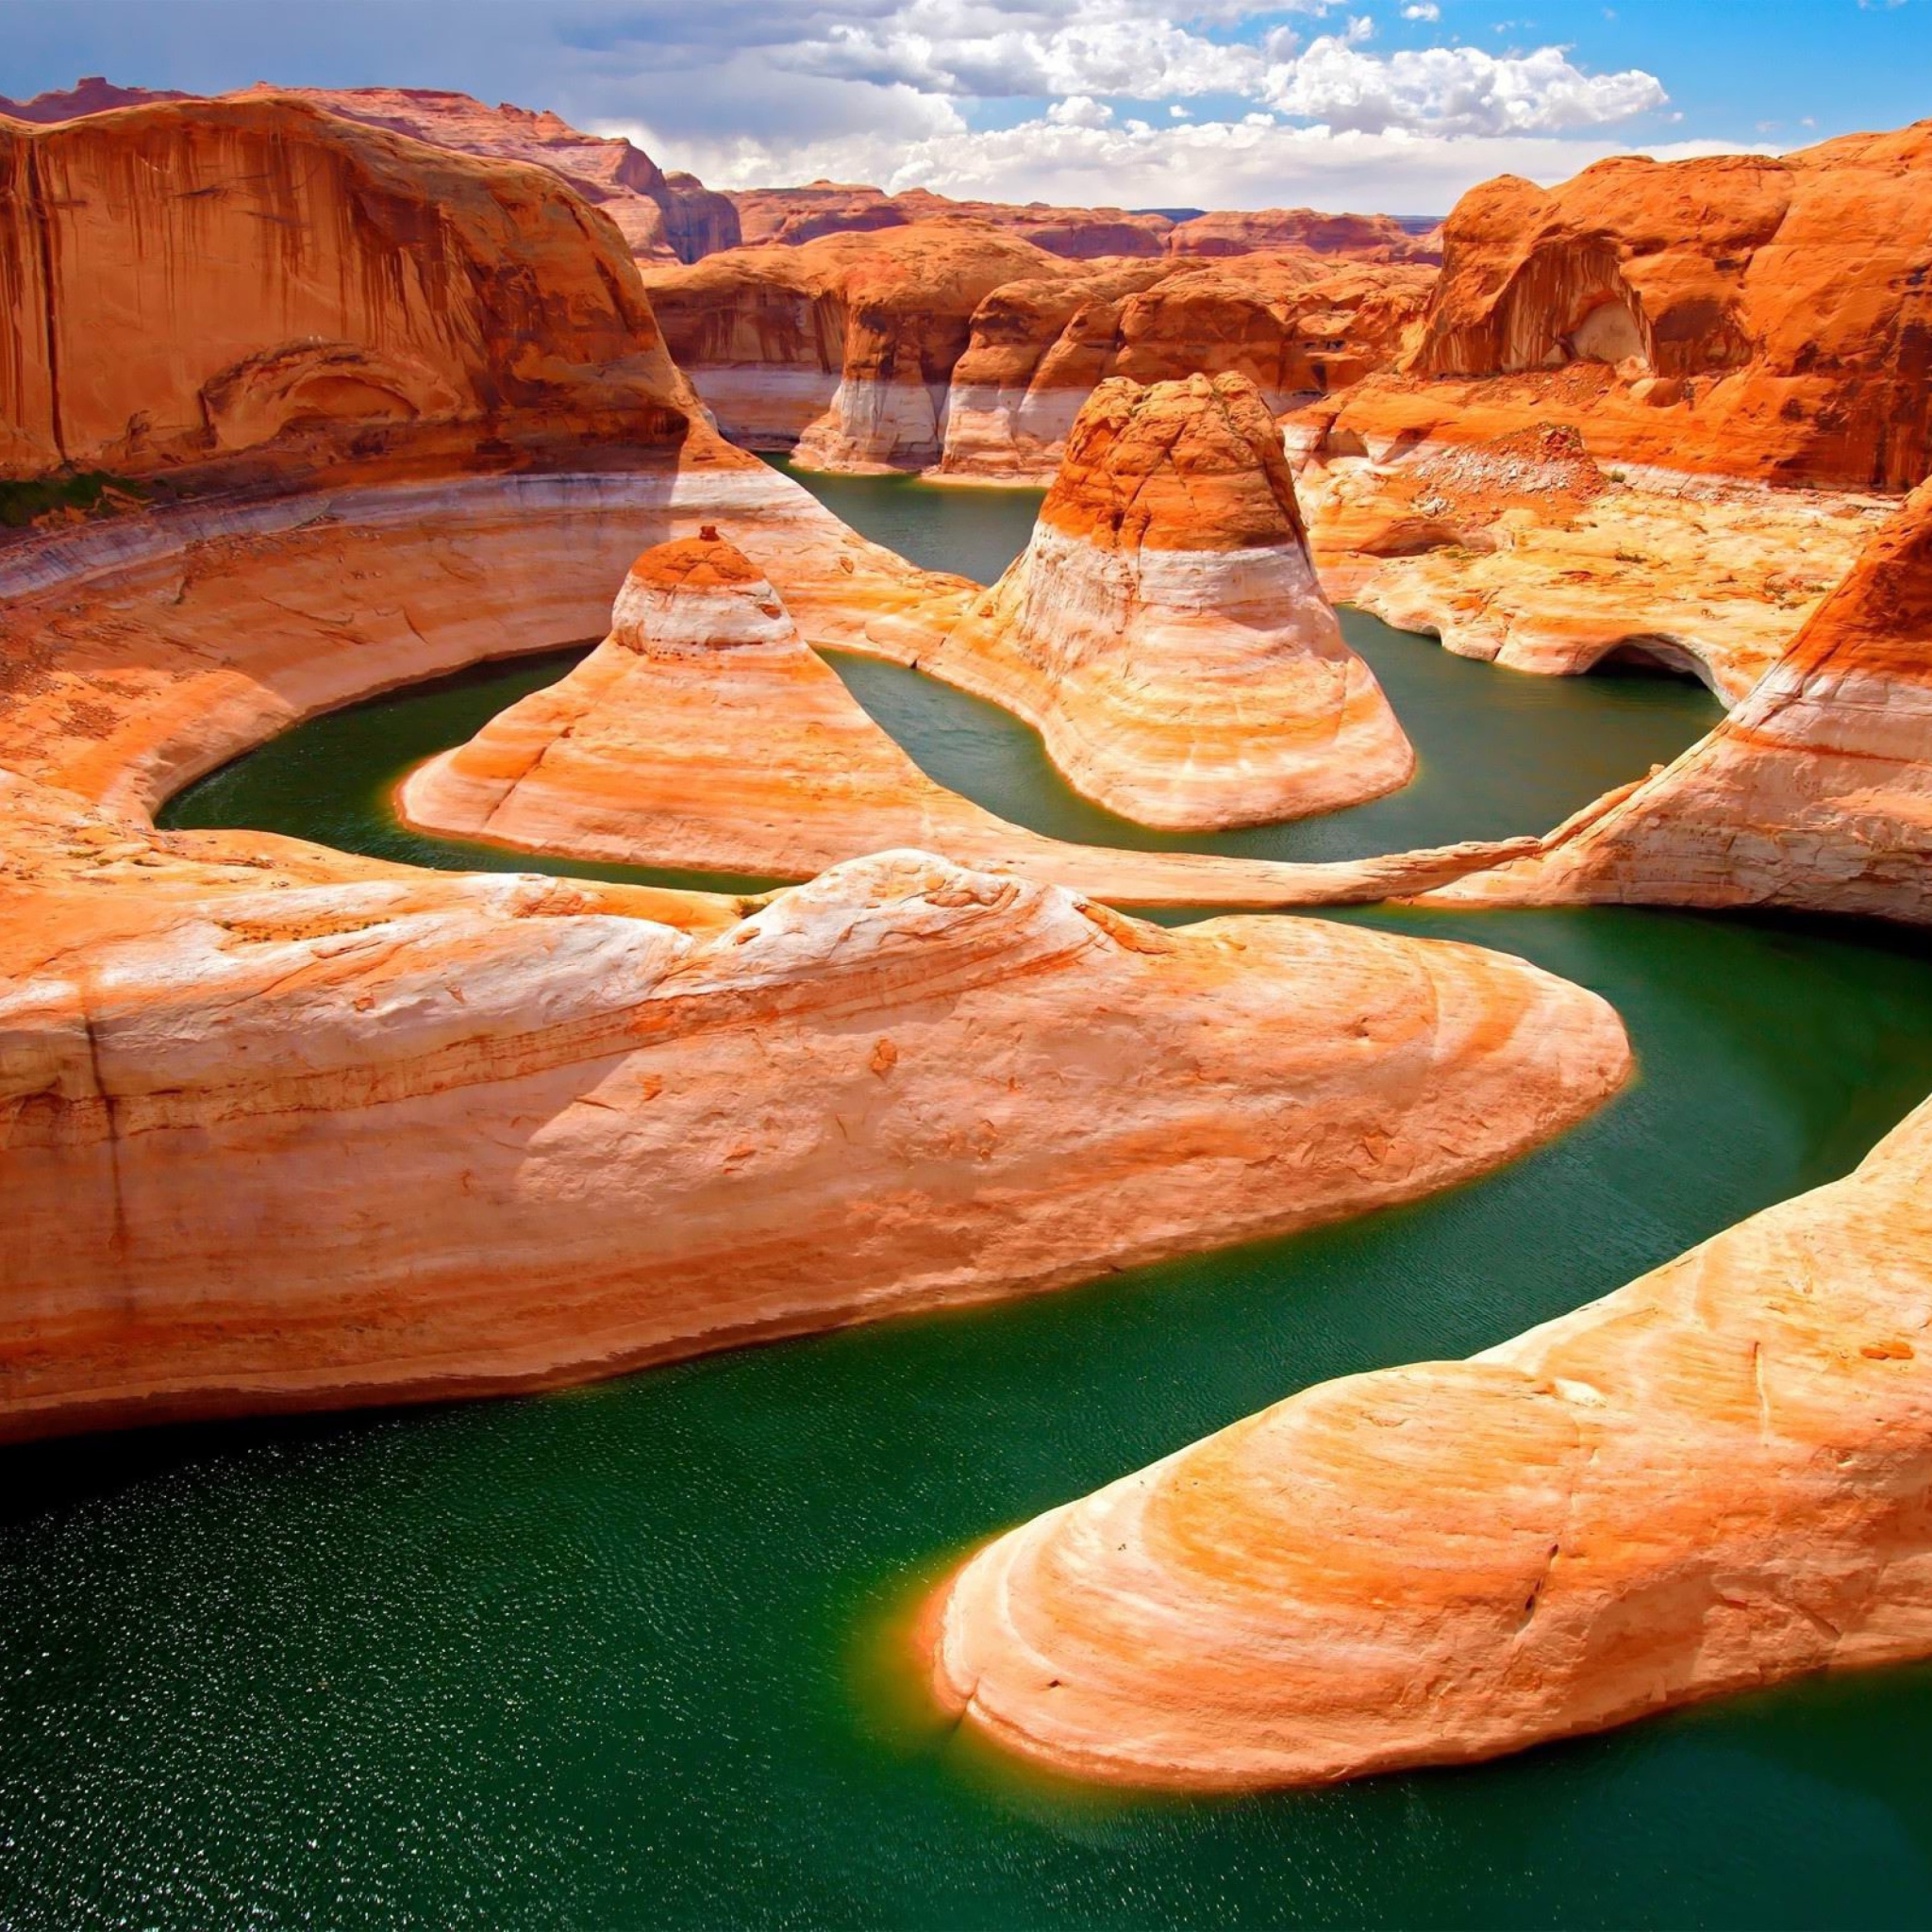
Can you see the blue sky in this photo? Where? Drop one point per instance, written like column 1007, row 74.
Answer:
column 1390, row 103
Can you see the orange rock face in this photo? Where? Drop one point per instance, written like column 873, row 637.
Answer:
column 1769, row 318
column 703, row 734
column 1706, row 1482
column 1373, row 237
column 414, row 303
column 1294, row 324
column 210, row 1038
column 1816, row 793
column 1164, row 629
column 842, row 348
column 885, row 1090
column 663, row 217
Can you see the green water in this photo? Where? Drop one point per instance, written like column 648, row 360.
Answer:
column 620, row 1657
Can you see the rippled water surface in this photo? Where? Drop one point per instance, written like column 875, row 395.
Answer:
column 627, row 1656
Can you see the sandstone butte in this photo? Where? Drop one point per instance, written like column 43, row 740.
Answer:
column 1815, row 794
column 1163, row 628
column 942, row 1084
column 844, row 346
column 703, row 734
column 1708, row 1481
column 1295, row 324
column 663, row 217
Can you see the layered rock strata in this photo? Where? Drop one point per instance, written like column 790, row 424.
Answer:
column 1294, row 324
column 842, row 348
column 1710, row 1480
column 256, row 289
column 1524, row 552
column 923, row 1108
column 663, row 217
column 1815, row 794
column 1164, row 630
column 703, row 734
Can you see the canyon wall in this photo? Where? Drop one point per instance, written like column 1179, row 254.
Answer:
column 663, row 217
column 950, row 345
column 841, row 347
column 1294, row 324
column 1749, row 316
column 200, row 282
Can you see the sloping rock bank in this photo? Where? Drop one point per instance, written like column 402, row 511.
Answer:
column 1525, row 552
column 398, row 1139
column 1712, row 1479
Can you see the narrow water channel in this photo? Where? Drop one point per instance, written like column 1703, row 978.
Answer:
column 620, row 1657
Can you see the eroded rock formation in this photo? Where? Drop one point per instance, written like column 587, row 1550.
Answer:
column 1743, row 315
column 703, row 734
column 394, row 1139
column 1815, row 794
column 1712, row 1479
column 663, row 217
column 200, row 283
column 843, row 347
column 1164, row 629
column 1525, row 552
column 1294, row 324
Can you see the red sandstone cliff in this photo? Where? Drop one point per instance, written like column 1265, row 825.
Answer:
column 663, row 217
column 845, row 346
column 199, row 281
column 1767, row 317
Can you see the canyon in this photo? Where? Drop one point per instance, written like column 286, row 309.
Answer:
column 208, row 1035
column 393, row 383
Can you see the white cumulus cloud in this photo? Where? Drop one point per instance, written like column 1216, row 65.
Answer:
column 1454, row 91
